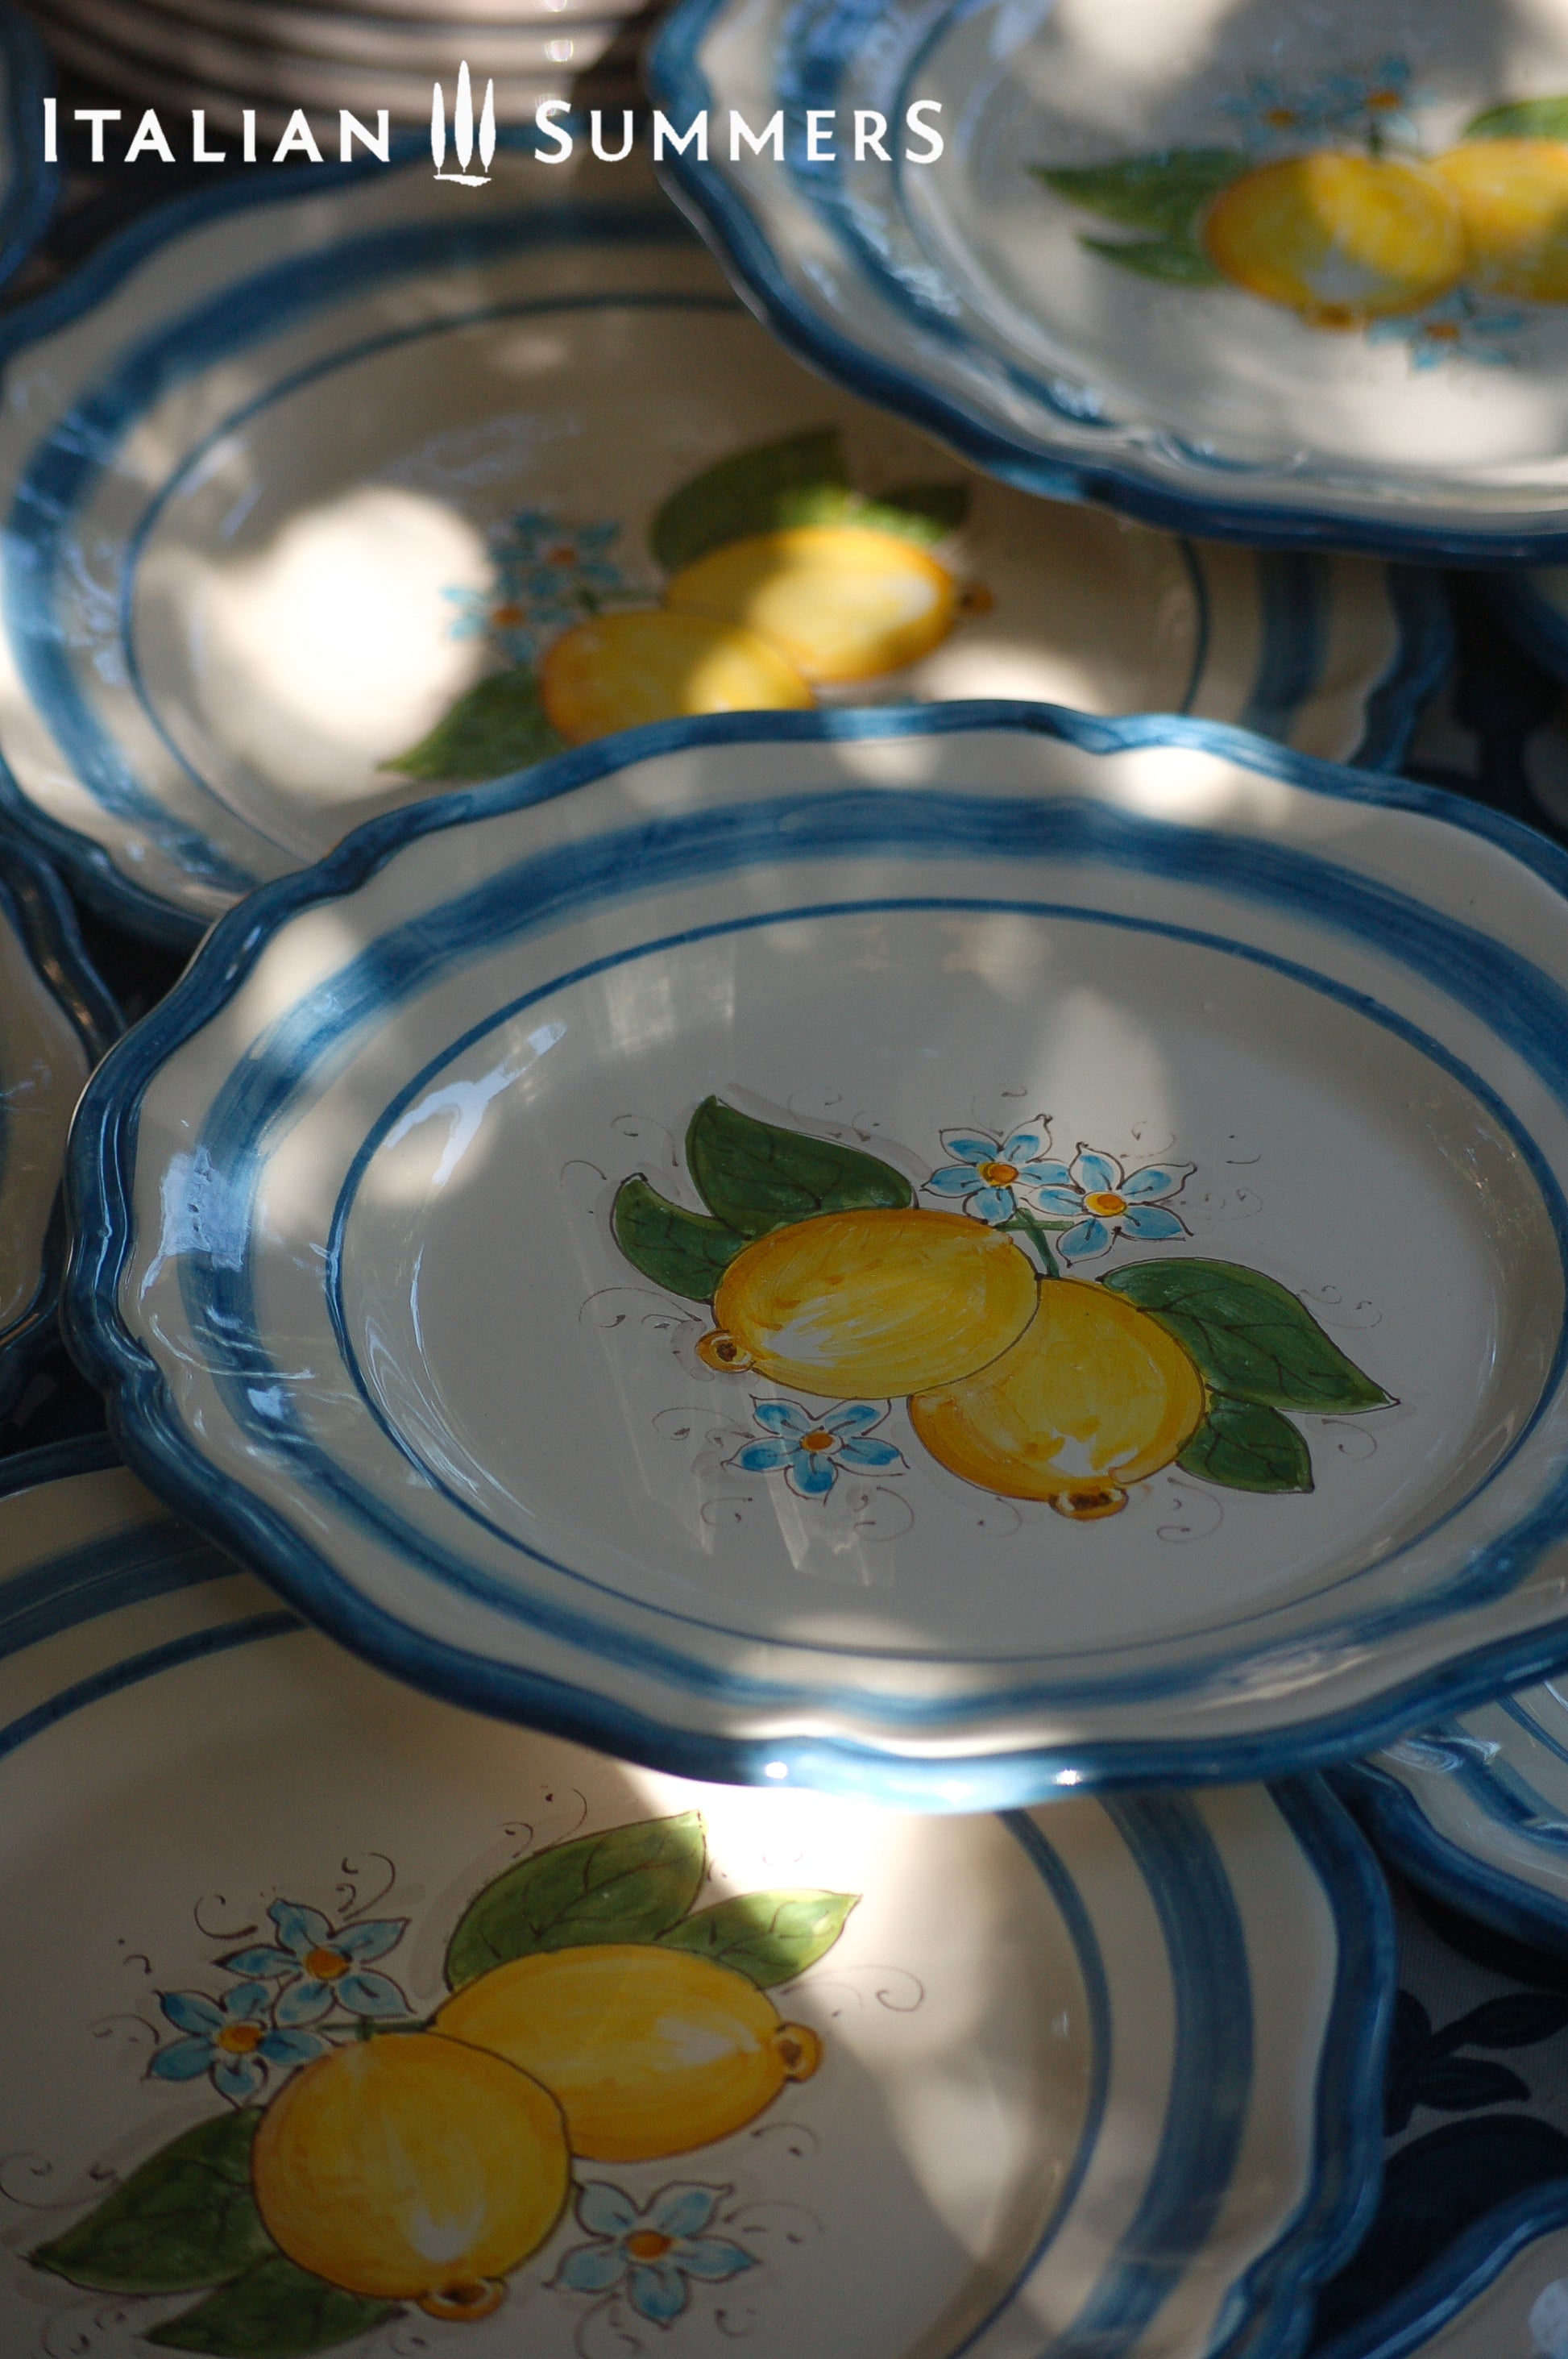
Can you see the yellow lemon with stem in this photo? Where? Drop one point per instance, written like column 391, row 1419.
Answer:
column 1341, row 239
column 651, row 2051
column 881, row 1302
column 1513, row 198
column 1092, row 1397
column 620, row 671
column 414, row 2169
column 843, row 602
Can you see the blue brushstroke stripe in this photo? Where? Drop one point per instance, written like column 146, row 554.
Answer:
column 136, row 1667
column 1295, row 594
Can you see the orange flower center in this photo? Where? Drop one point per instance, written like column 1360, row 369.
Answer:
column 999, row 1175
column 240, row 2039
column 818, row 1439
column 1441, row 331
column 1280, row 117
column 1104, row 1202
column 506, row 618
column 564, row 554
column 647, row 2244
column 326, row 1965
column 1384, row 102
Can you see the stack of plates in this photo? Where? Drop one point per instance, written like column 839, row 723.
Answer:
column 273, row 56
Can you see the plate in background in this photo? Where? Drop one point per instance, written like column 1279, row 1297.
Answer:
column 1111, row 284
column 337, row 462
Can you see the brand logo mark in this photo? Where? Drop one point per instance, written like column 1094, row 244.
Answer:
column 463, row 140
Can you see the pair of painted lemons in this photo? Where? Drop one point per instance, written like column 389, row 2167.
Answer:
column 1037, row 1388
column 1344, row 238
column 760, row 624
column 425, row 2166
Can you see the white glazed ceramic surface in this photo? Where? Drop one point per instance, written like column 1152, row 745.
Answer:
column 982, row 300
column 346, row 1247
column 281, row 557
column 1098, row 2075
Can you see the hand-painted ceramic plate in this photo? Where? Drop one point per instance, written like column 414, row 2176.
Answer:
column 56, row 1021
column 1475, row 1809
column 307, row 496
column 944, row 1252
column 720, row 2064
column 1289, row 275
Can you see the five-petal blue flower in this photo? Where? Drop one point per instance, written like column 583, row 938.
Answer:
column 233, row 2039
column 1101, row 1202
column 548, row 576
column 652, row 2254
column 990, row 1172
column 810, row 1450
column 325, row 1964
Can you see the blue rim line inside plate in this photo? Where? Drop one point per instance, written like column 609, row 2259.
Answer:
column 62, row 472
column 1208, row 2096
column 227, row 1322
column 678, row 82
column 147, row 1422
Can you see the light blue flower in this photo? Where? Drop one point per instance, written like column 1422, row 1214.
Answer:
column 1375, row 103
column 989, row 1171
column 655, row 2254
column 810, row 1450
column 233, row 2039
column 325, row 1963
column 1457, row 329
column 1102, row 1204
column 548, row 576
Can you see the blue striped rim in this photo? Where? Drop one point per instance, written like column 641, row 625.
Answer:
column 1210, row 2085
column 1473, row 1884
column 149, row 1427
column 677, row 82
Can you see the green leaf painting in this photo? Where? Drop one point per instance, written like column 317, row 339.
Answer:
column 1162, row 193
column 683, row 1251
column 1174, row 261
column 1525, row 118
column 923, row 512
column 499, row 725
column 184, row 2220
column 1165, row 195
column 1244, row 1447
column 770, row 1937
column 755, row 1176
column 630, row 1885
column 801, row 480
column 1250, row 1336
column 274, row 2311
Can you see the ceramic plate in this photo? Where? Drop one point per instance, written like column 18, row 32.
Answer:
column 1098, row 2078
column 56, row 1021
column 305, row 495
column 1146, row 267
column 1514, row 2307
column 585, row 1240
column 1475, row 1808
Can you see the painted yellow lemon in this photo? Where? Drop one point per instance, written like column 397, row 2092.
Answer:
column 651, row 2051
column 883, row 1302
column 1341, row 239
column 1093, row 1397
column 1513, row 196
column 411, row 2168
column 842, row 600
column 651, row 665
